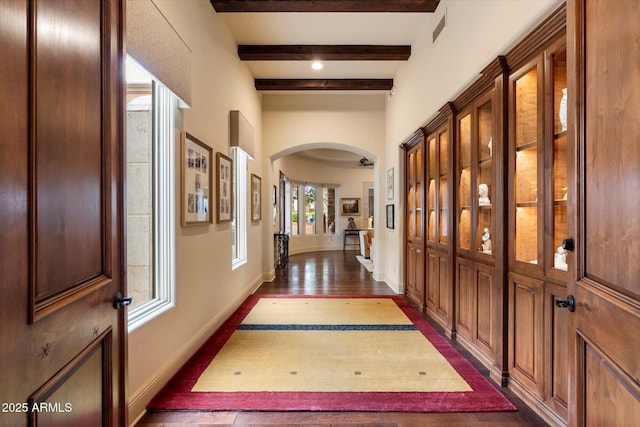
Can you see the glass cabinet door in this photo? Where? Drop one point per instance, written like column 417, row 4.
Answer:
column 464, row 191
column 431, row 182
column 443, row 201
column 559, row 160
column 484, row 177
column 418, row 158
column 526, row 166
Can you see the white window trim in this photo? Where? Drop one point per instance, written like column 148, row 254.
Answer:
column 164, row 110
column 241, row 167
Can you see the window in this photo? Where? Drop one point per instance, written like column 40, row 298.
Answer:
column 239, row 220
column 151, row 110
column 311, row 209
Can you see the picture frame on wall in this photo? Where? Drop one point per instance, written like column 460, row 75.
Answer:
column 390, row 184
column 256, row 194
column 224, row 188
column 390, row 216
column 350, row 206
column 197, row 181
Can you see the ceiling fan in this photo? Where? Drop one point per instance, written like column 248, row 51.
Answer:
column 365, row 163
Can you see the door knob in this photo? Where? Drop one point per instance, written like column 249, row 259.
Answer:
column 568, row 303
column 120, row 301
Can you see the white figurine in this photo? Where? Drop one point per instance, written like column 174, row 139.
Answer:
column 560, row 259
column 486, row 241
column 483, row 191
column 490, row 145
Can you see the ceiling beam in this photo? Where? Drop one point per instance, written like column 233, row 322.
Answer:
column 323, row 52
column 324, row 84
column 325, row 5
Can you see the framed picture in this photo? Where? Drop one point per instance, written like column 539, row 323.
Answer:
column 197, row 181
column 390, row 184
column 390, row 216
column 224, row 189
column 256, row 193
column 350, row 206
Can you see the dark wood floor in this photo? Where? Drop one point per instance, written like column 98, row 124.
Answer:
column 340, row 273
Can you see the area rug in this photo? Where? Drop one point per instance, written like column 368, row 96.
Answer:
column 282, row 352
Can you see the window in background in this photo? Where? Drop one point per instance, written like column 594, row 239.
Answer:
column 239, row 220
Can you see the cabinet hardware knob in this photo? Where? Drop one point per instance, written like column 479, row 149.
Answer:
column 568, row 303
column 120, row 301
column 568, row 244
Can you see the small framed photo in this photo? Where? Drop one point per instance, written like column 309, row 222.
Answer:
column 390, row 216
column 390, row 184
column 256, row 194
column 350, row 206
column 224, row 188
column 197, row 181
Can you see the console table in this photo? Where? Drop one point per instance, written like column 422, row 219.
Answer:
column 351, row 233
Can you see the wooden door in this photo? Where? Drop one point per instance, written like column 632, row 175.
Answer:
column 604, row 105
column 61, row 204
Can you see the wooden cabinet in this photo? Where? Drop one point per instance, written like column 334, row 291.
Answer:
column 440, row 223
column 480, row 213
column 415, row 219
column 538, row 198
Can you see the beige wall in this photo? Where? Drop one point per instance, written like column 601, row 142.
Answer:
column 207, row 290
column 477, row 31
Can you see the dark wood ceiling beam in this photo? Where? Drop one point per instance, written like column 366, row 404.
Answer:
column 323, row 52
column 325, row 5
column 324, row 84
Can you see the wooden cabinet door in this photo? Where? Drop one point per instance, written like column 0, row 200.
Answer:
column 61, row 204
column 604, row 331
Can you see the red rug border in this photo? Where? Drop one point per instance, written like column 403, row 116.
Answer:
column 177, row 395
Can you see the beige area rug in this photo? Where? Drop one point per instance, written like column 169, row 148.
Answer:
column 329, row 350
column 325, row 353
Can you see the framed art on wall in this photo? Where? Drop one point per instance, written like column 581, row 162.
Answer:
column 390, row 216
column 197, row 181
column 390, row 184
column 350, row 206
column 224, row 189
column 256, row 190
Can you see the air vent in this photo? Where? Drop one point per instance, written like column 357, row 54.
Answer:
column 440, row 27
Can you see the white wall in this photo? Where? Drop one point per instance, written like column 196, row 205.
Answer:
column 207, row 290
column 476, row 32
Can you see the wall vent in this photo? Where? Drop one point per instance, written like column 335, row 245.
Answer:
column 441, row 24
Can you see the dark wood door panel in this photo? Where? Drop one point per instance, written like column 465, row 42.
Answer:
column 488, row 315
column 612, row 152
column 466, row 297
column 66, row 146
column 80, row 393
column 61, row 207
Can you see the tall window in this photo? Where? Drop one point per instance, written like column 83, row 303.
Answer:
column 311, row 209
column 239, row 220
column 151, row 110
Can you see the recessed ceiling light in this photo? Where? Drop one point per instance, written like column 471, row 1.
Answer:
column 317, row 65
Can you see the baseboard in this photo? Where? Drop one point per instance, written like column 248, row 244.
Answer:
column 537, row 405
column 140, row 399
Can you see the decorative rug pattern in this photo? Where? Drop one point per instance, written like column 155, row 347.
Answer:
column 280, row 352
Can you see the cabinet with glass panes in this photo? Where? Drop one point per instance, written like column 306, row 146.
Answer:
column 476, row 179
column 539, row 158
column 440, row 226
column 480, row 250
column 538, row 263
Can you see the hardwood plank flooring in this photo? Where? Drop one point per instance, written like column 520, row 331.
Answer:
column 340, row 273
